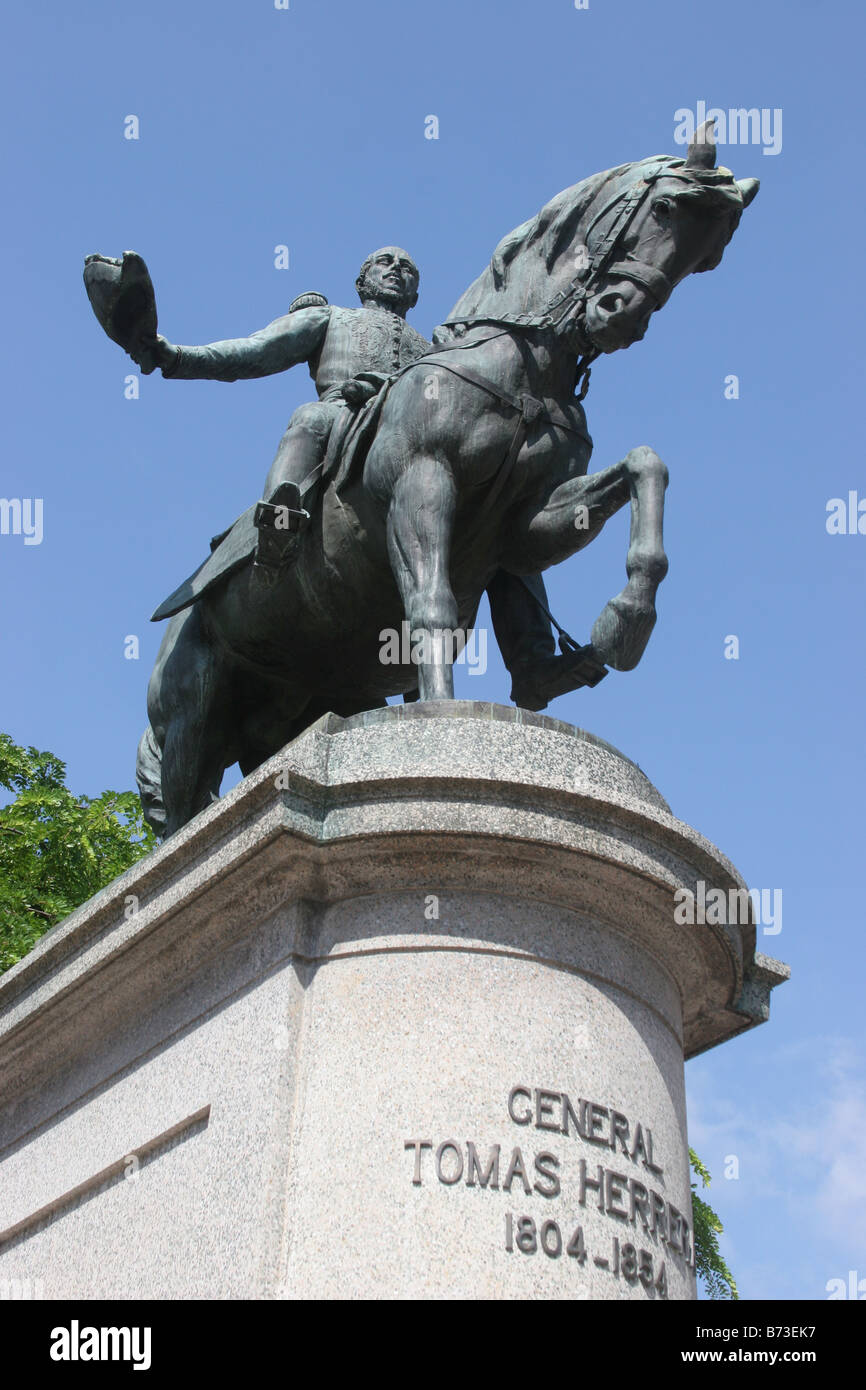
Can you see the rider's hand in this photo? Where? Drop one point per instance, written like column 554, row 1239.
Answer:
column 151, row 353
column 356, row 392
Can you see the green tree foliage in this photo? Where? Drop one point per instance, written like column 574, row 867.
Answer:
column 56, row 849
column 712, row 1271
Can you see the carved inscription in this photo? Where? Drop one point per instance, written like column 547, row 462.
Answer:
column 622, row 1186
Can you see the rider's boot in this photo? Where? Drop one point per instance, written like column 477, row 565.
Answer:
column 525, row 637
column 542, row 680
column 280, row 522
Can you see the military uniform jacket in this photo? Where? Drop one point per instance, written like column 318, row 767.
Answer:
column 336, row 343
column 364, row 340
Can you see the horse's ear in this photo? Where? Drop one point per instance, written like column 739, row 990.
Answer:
column 749, row 189
column 702, row 150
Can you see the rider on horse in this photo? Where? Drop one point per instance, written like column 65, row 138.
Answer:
column 351, row 354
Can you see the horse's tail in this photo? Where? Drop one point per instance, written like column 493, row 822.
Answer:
column 148, row 772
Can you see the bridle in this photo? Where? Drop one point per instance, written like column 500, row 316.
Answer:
column 566, row 304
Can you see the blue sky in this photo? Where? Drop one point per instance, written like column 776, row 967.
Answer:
column 305, row 127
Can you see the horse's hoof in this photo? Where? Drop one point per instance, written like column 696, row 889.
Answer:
column 622, row 631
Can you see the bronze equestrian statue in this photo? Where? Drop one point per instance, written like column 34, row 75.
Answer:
column 460, row 470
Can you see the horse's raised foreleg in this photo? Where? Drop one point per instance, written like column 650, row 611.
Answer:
column 573, row 516
column 420, row 518
column 622, row 629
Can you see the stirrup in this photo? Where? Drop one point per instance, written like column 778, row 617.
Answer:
column 283, row 512
column 279, row 523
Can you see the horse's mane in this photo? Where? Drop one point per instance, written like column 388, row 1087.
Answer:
column 538, row 243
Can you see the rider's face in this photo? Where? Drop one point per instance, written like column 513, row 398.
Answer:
column 391, row 278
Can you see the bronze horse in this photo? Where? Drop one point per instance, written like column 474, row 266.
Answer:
column 478, row 464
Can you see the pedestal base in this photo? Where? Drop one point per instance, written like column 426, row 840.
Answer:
column 403, row 1016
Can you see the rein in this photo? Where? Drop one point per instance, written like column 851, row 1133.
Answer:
column 566, row 303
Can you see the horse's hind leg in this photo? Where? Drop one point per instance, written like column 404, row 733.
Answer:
column 420, row 519
column 148, row 774
column 190, row 712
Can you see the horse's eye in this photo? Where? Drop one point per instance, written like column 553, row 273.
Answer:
column 662, row 207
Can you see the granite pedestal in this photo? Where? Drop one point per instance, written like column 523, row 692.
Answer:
column 403, row 1016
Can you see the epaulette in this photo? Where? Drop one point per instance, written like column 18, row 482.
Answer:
column 310, row 300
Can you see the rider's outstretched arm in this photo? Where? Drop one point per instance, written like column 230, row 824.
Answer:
column 287, row 341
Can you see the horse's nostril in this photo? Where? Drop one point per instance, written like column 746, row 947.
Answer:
column 611, row 303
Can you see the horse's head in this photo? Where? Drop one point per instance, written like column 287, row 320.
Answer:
column 663, row 220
